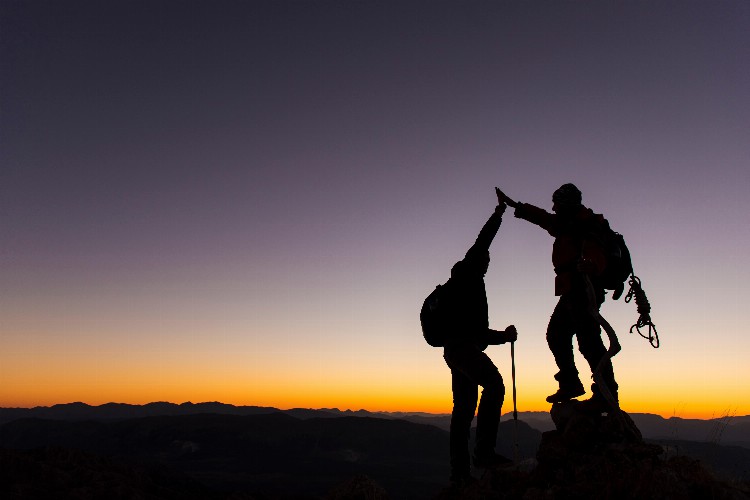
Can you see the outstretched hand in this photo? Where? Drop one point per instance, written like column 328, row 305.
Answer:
column 502, row 198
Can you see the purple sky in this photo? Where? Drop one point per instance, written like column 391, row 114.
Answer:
column 215, row 186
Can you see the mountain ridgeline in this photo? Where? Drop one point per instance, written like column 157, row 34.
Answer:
column 725, row 430
column 214, row 450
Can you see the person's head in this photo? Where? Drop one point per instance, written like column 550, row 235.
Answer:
column 566, row 200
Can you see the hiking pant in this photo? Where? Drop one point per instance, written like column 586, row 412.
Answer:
column 471, row 368
column 572, row 317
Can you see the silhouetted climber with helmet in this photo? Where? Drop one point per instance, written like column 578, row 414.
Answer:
column 579, row 260
column 464, row 326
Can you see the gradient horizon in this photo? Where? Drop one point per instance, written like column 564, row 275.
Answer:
column 247, row 202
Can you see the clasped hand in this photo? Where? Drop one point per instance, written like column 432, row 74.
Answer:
column 510, row 334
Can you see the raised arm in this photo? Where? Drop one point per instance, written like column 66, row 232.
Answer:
column 528, row 212
column 489, row 230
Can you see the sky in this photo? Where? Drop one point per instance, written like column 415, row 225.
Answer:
column 248, row 202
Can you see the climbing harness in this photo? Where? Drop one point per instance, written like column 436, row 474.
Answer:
column 644, row 310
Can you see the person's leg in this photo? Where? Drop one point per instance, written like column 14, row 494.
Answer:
column 477, row 367
column 592, row 348
column 560, row 332
column 485, row 373
column 464, row 404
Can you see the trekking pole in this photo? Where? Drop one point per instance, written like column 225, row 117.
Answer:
column 515, row 407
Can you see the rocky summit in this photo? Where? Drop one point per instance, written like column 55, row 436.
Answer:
column 598, row 455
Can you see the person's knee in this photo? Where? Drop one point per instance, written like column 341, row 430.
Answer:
column 464, row 406
column 494, row 386
column 498, row 392
column 462, row 415
column 559, row 339
column 592, row 351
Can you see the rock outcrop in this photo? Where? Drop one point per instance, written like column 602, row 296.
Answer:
column 360, row 487
column 593, row 455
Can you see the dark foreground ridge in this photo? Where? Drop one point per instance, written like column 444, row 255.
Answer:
column 263, row 453
column 230, row 456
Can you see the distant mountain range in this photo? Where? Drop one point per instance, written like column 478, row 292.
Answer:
column 734, row 431
column 167, row 450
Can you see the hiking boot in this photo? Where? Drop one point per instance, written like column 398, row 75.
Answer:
column 488, row 460
column 595, row 404
column 566, row 394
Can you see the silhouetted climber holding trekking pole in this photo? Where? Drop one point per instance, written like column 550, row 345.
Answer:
column 579, row 259
column 455, row 316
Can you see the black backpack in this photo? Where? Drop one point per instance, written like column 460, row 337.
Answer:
column 619, row 266
column 434, row 315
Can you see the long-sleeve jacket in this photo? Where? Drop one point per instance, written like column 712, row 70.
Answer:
column 574, row 240
column 469, row 318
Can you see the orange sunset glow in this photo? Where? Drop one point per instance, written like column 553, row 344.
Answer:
column 249, row 204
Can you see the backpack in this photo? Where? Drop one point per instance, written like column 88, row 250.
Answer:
column 434, row 315
column 619, row 266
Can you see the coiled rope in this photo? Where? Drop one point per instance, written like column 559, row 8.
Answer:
column 614, row 348
column 644, row 310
